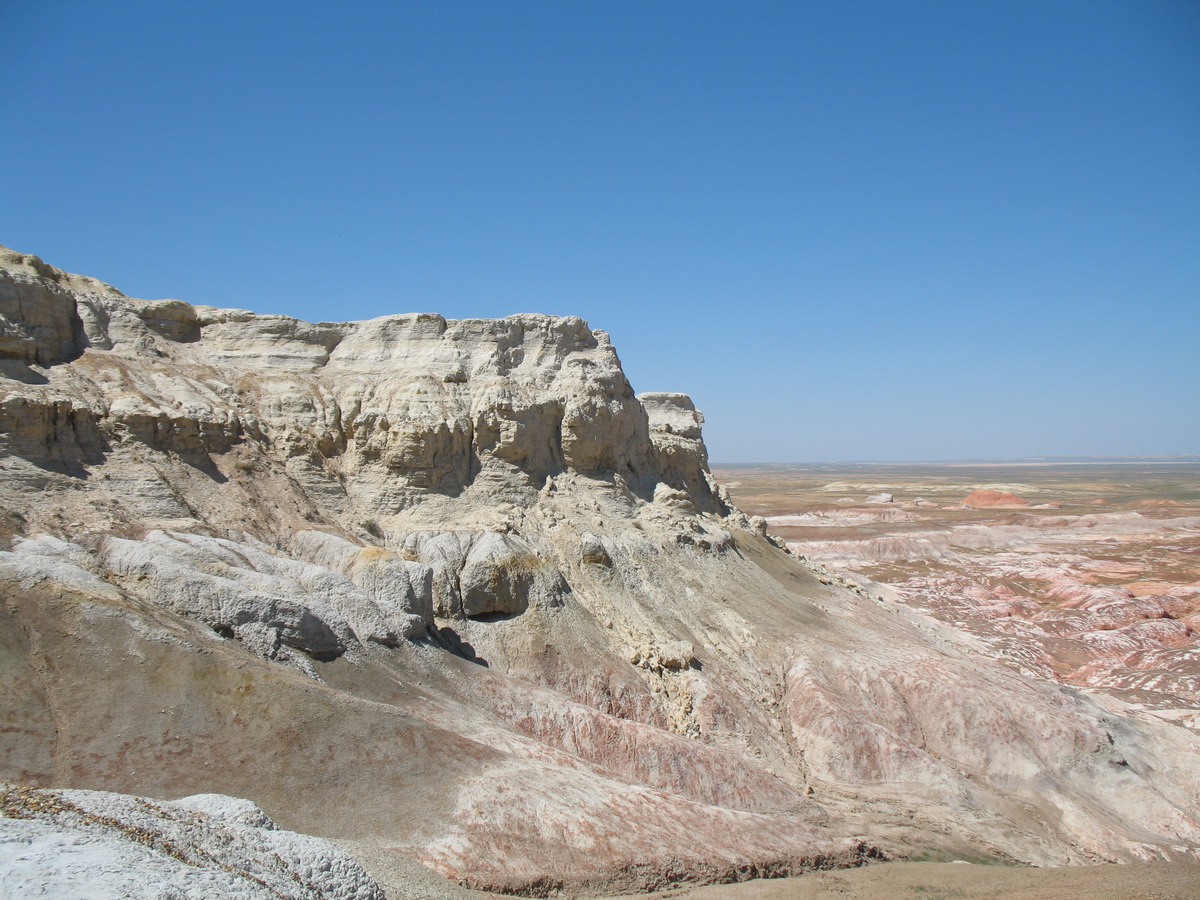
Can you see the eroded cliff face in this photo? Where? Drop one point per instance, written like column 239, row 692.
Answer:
column 451, row 588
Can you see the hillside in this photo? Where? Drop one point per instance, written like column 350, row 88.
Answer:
column 449, row 591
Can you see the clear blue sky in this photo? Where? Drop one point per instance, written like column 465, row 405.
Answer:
column 850, row 229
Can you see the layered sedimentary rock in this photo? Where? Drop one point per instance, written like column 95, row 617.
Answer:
column 982, row 499
column 450, row 591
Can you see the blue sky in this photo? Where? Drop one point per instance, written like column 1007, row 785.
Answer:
column 852, row 230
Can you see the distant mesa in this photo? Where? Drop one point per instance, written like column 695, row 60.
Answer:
column 993, row 500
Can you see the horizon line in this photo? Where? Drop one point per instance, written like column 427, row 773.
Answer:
column 1157, row 459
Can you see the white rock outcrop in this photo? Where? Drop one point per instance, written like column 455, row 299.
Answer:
column 108, row 846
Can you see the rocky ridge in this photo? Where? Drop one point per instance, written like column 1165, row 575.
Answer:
column 449, row 591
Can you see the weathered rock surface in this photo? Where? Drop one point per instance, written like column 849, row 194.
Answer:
column 451, row 591
column 105, row 845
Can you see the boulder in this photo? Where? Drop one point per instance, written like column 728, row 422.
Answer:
column 592, row 550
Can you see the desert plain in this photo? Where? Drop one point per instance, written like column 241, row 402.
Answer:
column 1083, row 572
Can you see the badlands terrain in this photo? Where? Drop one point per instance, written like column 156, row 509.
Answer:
column 417, row 607
column 1084, row 573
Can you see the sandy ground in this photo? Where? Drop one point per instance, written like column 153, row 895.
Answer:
column 961, row 881
column 882, row 881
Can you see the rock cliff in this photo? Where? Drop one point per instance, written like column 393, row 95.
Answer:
column 451, row 591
